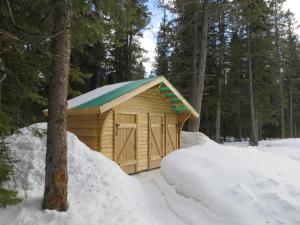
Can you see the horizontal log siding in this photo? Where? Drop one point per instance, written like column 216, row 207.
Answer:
column 107, row 135
column 86, row 127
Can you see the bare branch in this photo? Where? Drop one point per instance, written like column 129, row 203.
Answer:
column 39, row 35
column 7, row 34
column 3, row 78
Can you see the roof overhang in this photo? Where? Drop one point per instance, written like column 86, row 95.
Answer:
column 161, row 80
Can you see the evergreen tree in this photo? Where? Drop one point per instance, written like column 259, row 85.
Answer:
column 249, row 48
column 162, row 59
column 7, row 197
column 126, row 52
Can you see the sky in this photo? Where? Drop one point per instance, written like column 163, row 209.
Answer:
column 148, row 41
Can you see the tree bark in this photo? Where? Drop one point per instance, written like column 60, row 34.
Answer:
column 291, row 108
column 195, row 31
column 222, row 73
column 2, row 78
column 218, row 113
column 281, row 106
column 56, row 179
column 280, row 76
column 239, row 118
column 198, row 81
column 254, row 136
column 291, row 71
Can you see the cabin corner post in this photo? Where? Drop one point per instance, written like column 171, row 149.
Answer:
column 137, row 147
column 114, row 136
column 149, row 127
column 99, row 145
column 182, row 118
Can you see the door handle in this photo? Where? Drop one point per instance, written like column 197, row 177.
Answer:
column 117, row 128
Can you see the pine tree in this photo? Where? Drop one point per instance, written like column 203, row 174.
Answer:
column 162, row 59
column 7, row 197
column 126, row 52
column 291, row 73
column 56, row 178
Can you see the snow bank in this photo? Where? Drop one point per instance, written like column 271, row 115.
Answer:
column 285, row 147
column 189, row 139
column 99, row 191
column 214, row 184
column 207, row 183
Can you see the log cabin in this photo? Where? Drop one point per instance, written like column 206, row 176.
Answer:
column 134, row 123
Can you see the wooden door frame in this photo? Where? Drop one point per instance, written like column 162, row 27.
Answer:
column 136, row 135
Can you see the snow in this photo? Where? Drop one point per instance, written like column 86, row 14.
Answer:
column 233, row 185
column 287, row 147
column 203, row 183
column 99, row 191
column 189, row 139
column 94, row 94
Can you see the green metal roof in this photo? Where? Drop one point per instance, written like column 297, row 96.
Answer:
column 103, row 99
column 105, row 94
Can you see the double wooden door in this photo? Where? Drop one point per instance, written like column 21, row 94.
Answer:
column 163, row 137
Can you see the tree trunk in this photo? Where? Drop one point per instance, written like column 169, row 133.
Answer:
column 239, row 120
column 254, row 136
column 2, row 78
column 280, row 76
column 222, row 73
column 198, row 82
column 195, row 31
column 56, row 178
column 291, row 108
column 281, row 106
column 239, row 117
column 218, row 113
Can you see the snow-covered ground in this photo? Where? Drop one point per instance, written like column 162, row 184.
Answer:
column 204, row 183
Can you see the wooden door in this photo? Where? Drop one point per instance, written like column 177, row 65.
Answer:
column 156, row 139
column 171, row 133
column 125, row 142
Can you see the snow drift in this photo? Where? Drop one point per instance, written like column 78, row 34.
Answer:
column 206, row 183
column 213, row 184
column 99, row 191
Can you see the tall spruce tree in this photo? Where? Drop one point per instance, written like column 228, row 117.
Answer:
column 126, row 53
column 162, row 58
column 261, row 68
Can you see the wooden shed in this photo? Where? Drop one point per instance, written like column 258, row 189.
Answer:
column 134, row 123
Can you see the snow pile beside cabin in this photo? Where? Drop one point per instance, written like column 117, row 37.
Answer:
column 189, row 139
column 214, row 184
column 206, row 183
column 99, row 191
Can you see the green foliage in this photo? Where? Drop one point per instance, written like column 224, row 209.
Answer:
column 38, row 132
column 7, row 197
column 274, row 53
column 105, row 42
column 126, row 53
column 78, row 80
column 163, row 51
